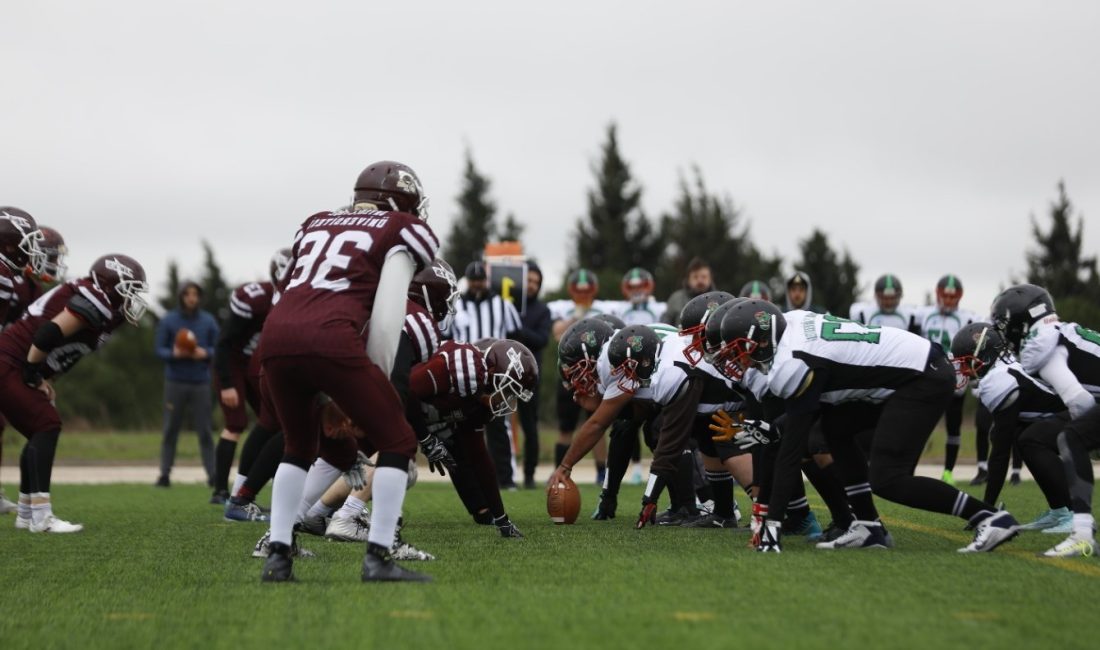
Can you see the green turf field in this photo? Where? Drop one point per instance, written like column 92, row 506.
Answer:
column 159, row 568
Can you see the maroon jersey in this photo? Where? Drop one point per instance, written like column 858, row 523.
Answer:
column 333, row 278
column 453, row 383
column 84, row 300
column 251, row 303
column 16, row 292
column 422, row 331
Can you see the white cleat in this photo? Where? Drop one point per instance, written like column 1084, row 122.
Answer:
column 22, row 523
column 1073, row 546
column 993, row 531
column 860, row 534
column 7, row 506
column 404, row 551
column 263, row 548
column 347, row 529
column 52, row 524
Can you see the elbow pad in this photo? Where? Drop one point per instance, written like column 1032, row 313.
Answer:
column 48, row 337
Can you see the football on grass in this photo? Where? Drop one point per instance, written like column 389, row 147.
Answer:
column 563, row 502
column 186, row 341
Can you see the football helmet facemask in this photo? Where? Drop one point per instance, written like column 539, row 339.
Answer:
column 750, row 331
column 122, row 278
column 513, row 374
column 633, row 353
column 578, row 352
column 693, row 322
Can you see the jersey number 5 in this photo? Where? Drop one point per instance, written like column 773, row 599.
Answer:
column 310, row 249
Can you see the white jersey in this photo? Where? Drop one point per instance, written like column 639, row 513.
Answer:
column 859, row 362
column 1007, row 384
column 869, row 313
column 568, row 310
column 942, row 327
column 637, row 314
column 1082, row 344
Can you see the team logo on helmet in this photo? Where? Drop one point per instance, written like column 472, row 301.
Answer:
column 118, row 267
column 764, row 319
column 441, row 272
column 588, row 338
column 407, row 182
column 20, row 222
column 634, row 343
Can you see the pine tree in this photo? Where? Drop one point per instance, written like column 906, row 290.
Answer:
column 475, row 223
column 1057, row 263
column 615, row 235
column 835, row 278
column 215, row 291
column 170, row 299
column 512, row 229
column 707, row 225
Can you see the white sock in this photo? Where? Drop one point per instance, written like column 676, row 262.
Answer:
column 319, row 509
column 983, row 465
column 42, row 510
column 320, row 477
column 1084, row 525
column 286, row 494
column 237, row 483
column 24, row 505
column 389, row 496
column 351, row 508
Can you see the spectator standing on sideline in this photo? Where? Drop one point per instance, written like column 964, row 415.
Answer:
column 480, row 313
column 535, row 334
column 800, row 294
column 697, row 280
column 186, row 377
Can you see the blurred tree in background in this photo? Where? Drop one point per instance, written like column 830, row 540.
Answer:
column 1059, row 264
column 475, row 223
column 835, row 277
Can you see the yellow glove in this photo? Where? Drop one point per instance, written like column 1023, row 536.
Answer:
column 725, row 425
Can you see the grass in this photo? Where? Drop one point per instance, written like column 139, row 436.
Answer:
column 159, row 568
column 143, row 447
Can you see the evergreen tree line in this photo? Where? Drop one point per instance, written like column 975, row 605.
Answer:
column 121, row 386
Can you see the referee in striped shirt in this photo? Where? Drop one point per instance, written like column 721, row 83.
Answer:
column 481, row 313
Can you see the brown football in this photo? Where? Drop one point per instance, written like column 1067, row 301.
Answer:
column 186, row 341
column 563, row 502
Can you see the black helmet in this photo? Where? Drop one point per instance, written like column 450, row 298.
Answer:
column 611, row 319
column 693, row 321
column 975, row 349
column 578, row 351
column 1017, row 309
column 751, row 331
column 633, row 353
column 755, row 289
column 712, row 334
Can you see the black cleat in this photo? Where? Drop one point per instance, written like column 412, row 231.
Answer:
column 219, row 497
column 672, row 517
column 378, row 566
column 278, row 567
column 606, row 507
column 980, row 478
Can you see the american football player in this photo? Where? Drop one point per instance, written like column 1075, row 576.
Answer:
column 887, row 310
column 639, row 306
column 1066, row 356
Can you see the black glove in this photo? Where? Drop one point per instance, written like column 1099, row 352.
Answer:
column 32, row 374
column 439, row 458
column 507, row 528
column 755, row 432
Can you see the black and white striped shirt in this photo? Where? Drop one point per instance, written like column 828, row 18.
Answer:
column 491, row 316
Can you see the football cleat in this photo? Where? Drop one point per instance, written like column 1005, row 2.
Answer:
column 7, row 506
column 677, row 517
column 405, row 551
column 1050, row 519
column 606, row 506
column 756, row 525
column 313, row 525
column 994, row 530
column 770, row 538
column 1073, row 546
column 948, row 477
column 860, row 535
column 1064, row 527
column 509, row 531
column 347, row 529
column 710, row 521
column 51, row 524
column 736, row 512
column 704, row 507
column 262, row 547
column 219, row 497
column 380, row 567
column 22, row 523
column 807, row 527
column 980, row 478
column 278, row 567
column 832, row 531
column 243, row 511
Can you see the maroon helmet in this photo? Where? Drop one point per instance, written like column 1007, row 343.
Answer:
column 54, row 249
column 391, row 184
column 122, row 278
column 435, row 289
column 20, row 241
column 513, row 373
column 279, row 263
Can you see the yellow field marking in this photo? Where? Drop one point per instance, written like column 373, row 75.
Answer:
column 693, row 617
column 128, row 616
column 418, row 614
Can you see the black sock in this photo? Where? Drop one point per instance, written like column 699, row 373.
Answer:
column 253, row 445
column 25, row 471
column 559, row 453
column 831, row 491
column 263, row 469
column 619, row 448
column 953, row 424
column 680, row 489
column 721, row 488
column 41, row 449
column 601, row 467
column 1017, row 458
column 223, row 460
column 861, row 501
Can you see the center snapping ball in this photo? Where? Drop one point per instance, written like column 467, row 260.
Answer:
column 563, row 502
column 186, row 341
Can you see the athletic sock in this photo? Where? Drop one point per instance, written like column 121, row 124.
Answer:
column 952, row 452
column 321, row 475
column 828, row 486
column 1083, row 525
column 24, row 506
column 861, row 501
column 286, row 494
column 983, row 466
column 389, row 495
column 40, row 507
column 351, row 508
column 263, row 469
column 798, row 508
column 237, row 483
column 223, row 461
column 559, row 453
column 721, row 487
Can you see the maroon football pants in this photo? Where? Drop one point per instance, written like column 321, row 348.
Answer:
column 359, row 388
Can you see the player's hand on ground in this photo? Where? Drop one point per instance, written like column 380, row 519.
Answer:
column 439, row 457
column 648, row 515
column 755, row 432
column 230, row 398
column 725, row 426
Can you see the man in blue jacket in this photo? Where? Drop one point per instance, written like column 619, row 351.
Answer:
column 186, row 377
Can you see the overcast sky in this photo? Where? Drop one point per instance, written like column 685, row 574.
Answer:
column 919, row 135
